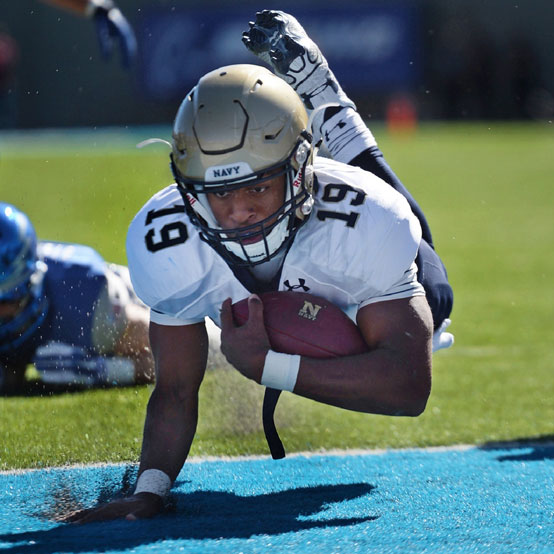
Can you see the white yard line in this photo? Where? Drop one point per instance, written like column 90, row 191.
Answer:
column 311, row 454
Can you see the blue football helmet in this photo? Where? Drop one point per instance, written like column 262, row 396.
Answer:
column 21, row 277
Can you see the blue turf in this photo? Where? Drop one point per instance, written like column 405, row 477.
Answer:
column 476, row 500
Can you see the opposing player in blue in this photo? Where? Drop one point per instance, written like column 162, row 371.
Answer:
column 254, row 209
column 63, row 308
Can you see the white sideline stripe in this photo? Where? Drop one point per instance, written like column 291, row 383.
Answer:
column 310, row 454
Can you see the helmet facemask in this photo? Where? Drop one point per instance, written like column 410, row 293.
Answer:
column 275, row 232
column 255, row 156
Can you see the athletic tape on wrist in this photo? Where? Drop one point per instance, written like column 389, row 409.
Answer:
column 280, row 370
column 154, row 481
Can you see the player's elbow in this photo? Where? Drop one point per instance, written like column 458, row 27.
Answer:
column 415, row 394
column 410, row 404
column 406, row 397
column 416, row 406
column 409, row 387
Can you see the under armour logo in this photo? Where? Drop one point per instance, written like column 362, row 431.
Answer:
column 301, row 285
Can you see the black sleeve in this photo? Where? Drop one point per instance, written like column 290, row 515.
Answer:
column 431, row 270
column 372, row 160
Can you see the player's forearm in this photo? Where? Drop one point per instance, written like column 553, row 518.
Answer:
column 380, row 382
column 168, row 431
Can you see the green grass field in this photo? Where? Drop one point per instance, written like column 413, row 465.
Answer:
column 487, row 190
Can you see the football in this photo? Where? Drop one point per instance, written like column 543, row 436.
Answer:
column 305, row 324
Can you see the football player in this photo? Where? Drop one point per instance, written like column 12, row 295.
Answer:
column 255, row 209
column 111, row 26
column 63, row 308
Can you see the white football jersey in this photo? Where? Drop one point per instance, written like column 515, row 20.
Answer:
column 358, row 247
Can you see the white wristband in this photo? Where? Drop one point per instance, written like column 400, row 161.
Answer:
column 154, row 481
column 280, row 370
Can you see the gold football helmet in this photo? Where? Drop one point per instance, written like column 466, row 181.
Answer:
column 238, row 126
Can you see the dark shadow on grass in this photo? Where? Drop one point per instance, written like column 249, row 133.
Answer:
column 202, row 515
column 539, row 449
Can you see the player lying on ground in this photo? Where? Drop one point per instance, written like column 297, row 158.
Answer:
column 65, row 309
column 254, row 210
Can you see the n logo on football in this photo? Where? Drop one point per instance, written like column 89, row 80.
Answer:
column 309, row 310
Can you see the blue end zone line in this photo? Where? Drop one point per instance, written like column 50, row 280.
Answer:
column 495, row 497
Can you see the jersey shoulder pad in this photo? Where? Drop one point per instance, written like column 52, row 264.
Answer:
column 361, row 225
column 166, row 256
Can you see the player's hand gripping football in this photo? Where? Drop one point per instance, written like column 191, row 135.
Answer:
column 245, row 347
column 138, row 506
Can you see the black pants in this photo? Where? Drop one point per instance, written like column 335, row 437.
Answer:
column 431, row 271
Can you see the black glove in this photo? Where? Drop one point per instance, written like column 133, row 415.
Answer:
column 111, row 25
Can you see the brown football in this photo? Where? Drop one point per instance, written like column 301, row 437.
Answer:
column 305, row 324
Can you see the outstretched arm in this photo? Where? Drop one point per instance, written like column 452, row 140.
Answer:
column 180, row 354
column 393, row 378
